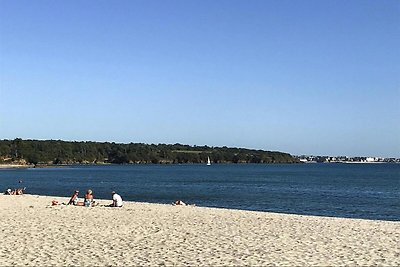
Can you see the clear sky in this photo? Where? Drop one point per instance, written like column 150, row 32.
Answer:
column 304, row 77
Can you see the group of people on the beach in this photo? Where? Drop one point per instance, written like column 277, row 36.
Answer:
column 16, row 191
column 88, row 201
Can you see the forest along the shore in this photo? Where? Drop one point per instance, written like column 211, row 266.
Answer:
column 33, row 152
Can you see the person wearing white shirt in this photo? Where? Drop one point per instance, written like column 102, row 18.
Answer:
column 117, row 200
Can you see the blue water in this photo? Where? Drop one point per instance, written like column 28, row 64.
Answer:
column 369, row 191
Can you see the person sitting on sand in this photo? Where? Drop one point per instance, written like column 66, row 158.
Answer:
column 20, row 191
column 9, row 192
column 89, row 198
column 74, row 199
column 117, row 200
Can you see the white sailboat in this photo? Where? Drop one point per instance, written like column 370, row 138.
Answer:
column 208, row 161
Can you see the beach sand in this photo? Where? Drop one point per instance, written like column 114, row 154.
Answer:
column 34, row 233
column 14, row 166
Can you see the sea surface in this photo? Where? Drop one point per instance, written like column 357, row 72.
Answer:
column 367, row 191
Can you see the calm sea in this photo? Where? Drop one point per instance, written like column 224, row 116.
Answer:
column 370, row 191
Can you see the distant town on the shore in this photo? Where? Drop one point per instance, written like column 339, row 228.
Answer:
column 345, row 159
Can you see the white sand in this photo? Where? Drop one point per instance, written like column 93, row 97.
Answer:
column 35, row 233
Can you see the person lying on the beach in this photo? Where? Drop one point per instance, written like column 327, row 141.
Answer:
column 179, row 202
column 117, row 200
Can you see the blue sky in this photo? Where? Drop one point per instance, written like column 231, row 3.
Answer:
column 304, row 77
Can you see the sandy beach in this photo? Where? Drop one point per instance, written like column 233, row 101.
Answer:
column 14, row 166
column 34, row 233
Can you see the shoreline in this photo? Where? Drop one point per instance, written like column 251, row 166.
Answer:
column 160, row 234
column 30, row 166
column 14, row 166
column 66, row 198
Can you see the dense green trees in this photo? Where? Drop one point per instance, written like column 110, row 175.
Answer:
column 63, row 152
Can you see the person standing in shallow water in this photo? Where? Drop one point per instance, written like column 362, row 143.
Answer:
column 117, row 200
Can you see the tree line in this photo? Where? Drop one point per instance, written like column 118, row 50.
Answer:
column 68, row 152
